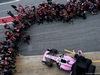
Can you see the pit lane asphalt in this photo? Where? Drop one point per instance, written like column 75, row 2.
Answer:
column 83, row 34
column 2, row 1
column 6, row 7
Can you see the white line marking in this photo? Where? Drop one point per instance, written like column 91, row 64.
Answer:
column 6, row 10
column 9, row 2
column 4, row 23
column 7, row 16
column 4, row 17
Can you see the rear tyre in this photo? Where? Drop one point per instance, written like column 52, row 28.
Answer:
column 54, row 51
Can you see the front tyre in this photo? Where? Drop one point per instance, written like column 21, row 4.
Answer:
column 49, row 64
column 58, row 65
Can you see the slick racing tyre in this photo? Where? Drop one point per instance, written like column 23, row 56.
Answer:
column 84, row 17
column 58, row 65
column 54, row 51
column 49, row 64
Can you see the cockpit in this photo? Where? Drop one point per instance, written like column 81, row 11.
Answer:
column 63, row 61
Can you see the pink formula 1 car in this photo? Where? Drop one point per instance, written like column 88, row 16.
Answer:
column 78, row 65
column 63, row 62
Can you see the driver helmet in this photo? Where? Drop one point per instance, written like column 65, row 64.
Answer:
column 79, row 52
